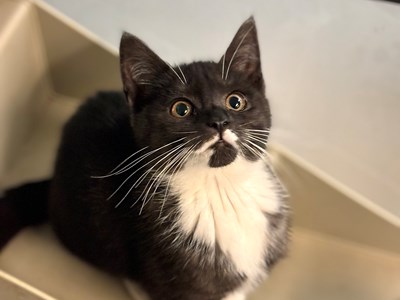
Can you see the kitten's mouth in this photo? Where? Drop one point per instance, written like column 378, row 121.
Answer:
column 221, row 141
column 223, row 149
column 223, row 154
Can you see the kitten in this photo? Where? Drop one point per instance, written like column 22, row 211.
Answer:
column 168, row 183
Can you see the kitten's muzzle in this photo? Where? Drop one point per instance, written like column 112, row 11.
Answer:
column 220, row 126
column 218, row 119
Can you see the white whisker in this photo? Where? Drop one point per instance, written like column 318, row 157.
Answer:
column 256, row 153
column 155, row 180
column 158, row 177
column 173, row 70
column 138, row 169
column 113, row 170
column 241, row 125
column 223, row 65
column 178, row 166
column 156, row 172
column 144, row 175
column 133, row 163
column 139, row 159
column 133, row 186
column 263, row 151
column 258, row 130
column 262, row 136
column 183, row 75
column 262, row 140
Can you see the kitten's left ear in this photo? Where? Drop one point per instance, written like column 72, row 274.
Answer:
column 243, row 54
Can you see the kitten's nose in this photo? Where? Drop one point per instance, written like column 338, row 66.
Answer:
column 218, row 119
column 219, row 125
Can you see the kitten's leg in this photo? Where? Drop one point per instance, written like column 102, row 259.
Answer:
column 235, row 296
column 134, row 290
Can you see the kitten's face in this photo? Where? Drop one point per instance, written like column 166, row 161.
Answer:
column 212, row 111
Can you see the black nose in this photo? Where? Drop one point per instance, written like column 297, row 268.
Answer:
column 219, row 125
column 217, row 118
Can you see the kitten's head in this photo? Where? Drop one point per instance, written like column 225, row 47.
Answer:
column 217, row 111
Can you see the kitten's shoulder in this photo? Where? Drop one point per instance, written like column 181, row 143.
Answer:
column 99, row 129
column 102, row 114
column 102, row 108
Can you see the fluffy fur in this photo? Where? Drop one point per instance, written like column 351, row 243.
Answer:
column 230, row 211
column 187, row 207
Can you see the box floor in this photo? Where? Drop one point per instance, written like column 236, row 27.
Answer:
column 318, row 267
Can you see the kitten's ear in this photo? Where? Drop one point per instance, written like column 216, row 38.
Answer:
column 139, row 65
column 243, row 54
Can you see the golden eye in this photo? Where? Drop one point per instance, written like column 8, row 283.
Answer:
column 181, row 109
column 236, row 102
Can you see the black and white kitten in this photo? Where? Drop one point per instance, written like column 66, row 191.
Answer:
column 169, row 185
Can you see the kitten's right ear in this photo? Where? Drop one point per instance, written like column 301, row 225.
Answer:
column 139, row 65
column 243, row 54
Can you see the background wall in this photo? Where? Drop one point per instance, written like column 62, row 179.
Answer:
column 332, row 70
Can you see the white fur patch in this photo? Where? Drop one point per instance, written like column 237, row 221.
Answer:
column 228, row 136
column 227, row 205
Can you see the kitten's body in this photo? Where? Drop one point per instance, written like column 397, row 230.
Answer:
column 201, row 216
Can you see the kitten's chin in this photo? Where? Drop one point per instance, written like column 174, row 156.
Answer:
column 223, row 155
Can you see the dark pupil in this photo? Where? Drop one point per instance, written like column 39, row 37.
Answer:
column 181, row 109
column 234, row 102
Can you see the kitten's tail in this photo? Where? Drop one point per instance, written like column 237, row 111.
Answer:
column 22, row 206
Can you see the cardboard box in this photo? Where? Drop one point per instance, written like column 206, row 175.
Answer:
column 342, row 247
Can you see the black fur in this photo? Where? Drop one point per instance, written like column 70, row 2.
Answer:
column 22, row 206
column 118, row 239
column 127, row 238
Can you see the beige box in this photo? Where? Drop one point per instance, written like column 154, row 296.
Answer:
column 342, row 247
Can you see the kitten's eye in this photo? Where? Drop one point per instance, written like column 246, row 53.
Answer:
column 181, row 109
column 236, row 102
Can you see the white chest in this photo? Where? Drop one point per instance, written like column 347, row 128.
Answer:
column 227, row 206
